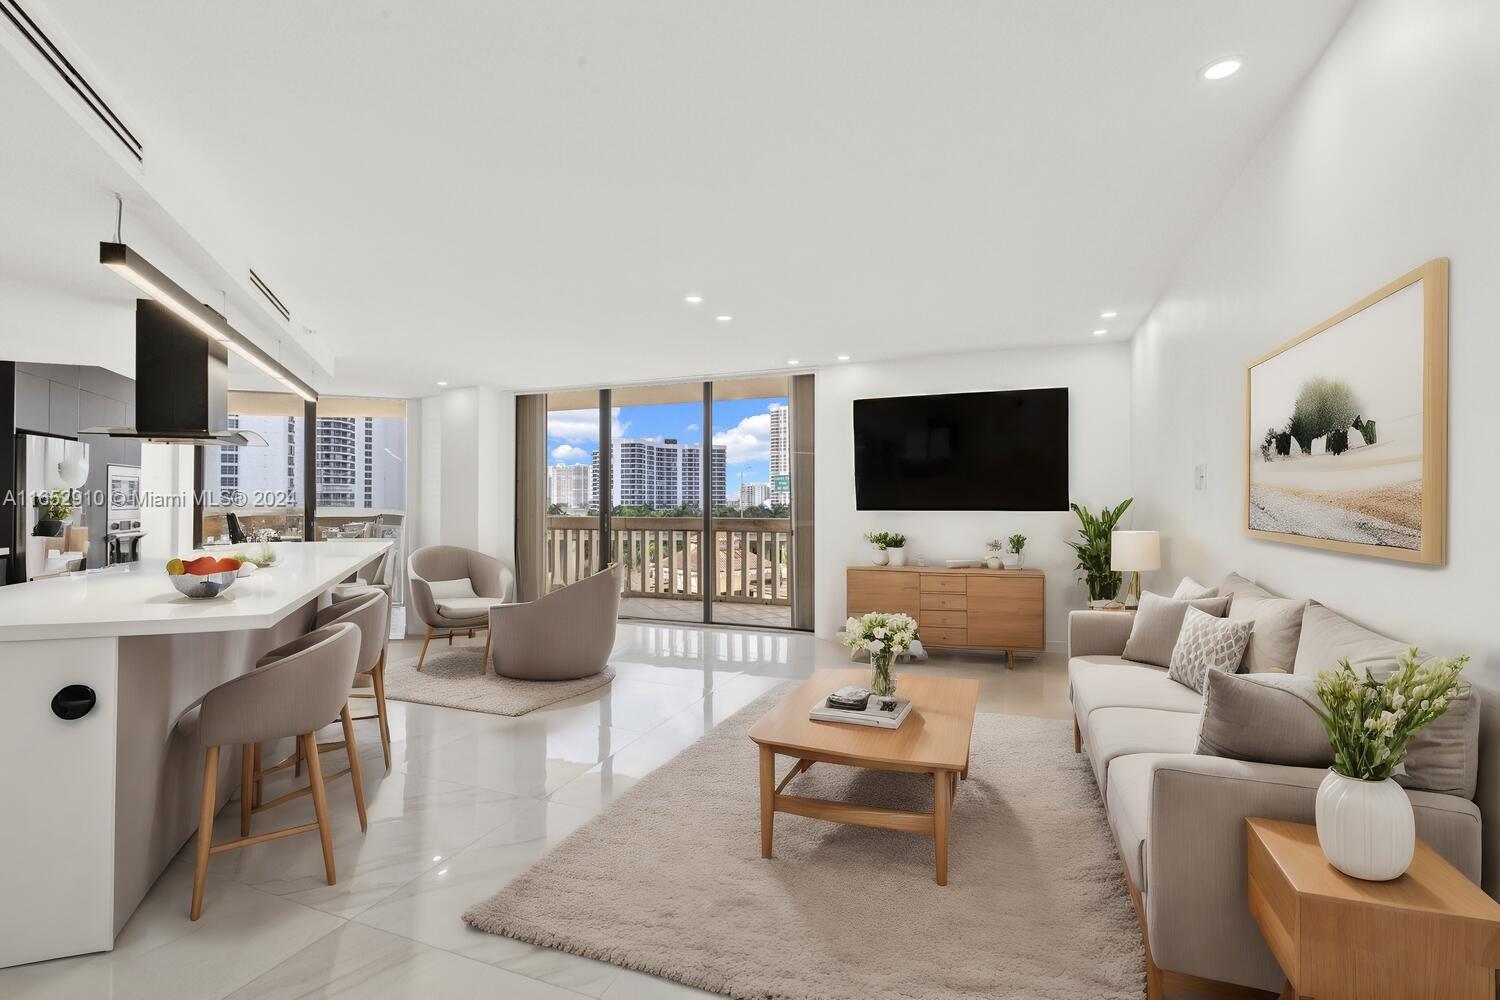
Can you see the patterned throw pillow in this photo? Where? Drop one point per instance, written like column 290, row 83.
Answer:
column 1207, row 643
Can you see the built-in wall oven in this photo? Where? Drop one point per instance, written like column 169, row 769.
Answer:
column 122, row 525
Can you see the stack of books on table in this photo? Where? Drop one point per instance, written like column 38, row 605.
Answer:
column 856, row 706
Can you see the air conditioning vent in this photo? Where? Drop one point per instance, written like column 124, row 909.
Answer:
column 49, row 51
column 265, row 289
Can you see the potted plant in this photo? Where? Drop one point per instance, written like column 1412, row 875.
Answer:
column 1093, row 551
column 1017, row 545
column 884, row 636
column 997, row 553
column 53, row 510
column 889, row 547
column 1364, row 818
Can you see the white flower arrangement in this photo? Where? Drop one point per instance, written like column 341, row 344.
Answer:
column 880, row 633
column 1369, row 722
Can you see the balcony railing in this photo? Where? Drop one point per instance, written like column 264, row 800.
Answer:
column 663, row 557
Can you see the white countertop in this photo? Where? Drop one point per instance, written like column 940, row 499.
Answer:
column 139, row 599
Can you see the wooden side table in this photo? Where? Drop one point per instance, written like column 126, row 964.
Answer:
column 1429, row 935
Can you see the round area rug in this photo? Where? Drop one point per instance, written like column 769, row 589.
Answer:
column 457, row 678
column 669, row 880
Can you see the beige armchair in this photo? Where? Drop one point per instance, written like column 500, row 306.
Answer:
column 453, row 589
column 563, row 635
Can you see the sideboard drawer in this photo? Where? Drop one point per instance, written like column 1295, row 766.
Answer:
column 945, row 637
column 944, row 602
column 949, row 583
column 943, row 619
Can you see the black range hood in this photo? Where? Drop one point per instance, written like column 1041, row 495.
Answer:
column 181, row 384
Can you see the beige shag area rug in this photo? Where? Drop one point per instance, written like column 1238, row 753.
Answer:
column 669, row 881
column 457, row 678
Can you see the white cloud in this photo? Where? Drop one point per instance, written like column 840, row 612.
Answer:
column 571, row 453
column 747, row 441
column 580, row 426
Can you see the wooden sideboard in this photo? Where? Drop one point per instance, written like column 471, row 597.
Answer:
column 981, row 610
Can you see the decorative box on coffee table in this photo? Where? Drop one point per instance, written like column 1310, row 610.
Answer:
column 974, row 609
column 1429, row 935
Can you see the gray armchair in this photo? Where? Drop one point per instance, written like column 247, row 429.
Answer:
column 453, row 589
column 563, row 635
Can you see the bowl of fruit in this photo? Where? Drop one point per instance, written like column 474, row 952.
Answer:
column 203, row 577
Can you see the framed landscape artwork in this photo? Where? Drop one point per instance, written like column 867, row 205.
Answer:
column 1347, row 427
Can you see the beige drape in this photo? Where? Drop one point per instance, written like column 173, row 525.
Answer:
column 801, row 401
column 531, row 496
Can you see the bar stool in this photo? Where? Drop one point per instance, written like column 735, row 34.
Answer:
column 370, row 613
column 293, row 694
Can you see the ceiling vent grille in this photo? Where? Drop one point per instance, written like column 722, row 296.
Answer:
column 265, row 289
column 49, row 51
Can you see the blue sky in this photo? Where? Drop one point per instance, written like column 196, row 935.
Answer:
column 742, row 426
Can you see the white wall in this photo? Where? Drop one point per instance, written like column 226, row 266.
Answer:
column 1098, row 379
column 1388, row 157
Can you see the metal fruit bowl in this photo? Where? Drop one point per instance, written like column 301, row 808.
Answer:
column 204, row 586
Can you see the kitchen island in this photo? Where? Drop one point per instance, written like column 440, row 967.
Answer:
column 97, row 806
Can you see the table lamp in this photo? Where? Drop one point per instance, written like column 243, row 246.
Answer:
column 1133, row 552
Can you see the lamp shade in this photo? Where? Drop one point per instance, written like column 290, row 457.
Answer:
column 1134, row 551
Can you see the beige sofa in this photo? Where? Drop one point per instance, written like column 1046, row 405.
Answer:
column 1178, row 817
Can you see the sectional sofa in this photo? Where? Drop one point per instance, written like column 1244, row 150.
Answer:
column 1178, row 816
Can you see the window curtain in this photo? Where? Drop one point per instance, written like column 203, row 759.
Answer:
column 531, row 496
column 801, row 400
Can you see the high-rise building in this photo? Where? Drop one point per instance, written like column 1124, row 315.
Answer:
column 568, row 486
column 359, row 464
column 754, row 494
column 660, row 474
column 781, row 455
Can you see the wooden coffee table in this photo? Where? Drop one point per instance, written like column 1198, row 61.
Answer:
column 934, row 740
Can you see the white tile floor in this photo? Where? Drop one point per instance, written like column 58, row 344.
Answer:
column 469, row 802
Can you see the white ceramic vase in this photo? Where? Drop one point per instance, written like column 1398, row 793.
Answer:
column 898, row 556
column 879, row 556
column 993, row 562
column 1365, row 828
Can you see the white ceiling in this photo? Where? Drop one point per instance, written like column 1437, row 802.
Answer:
column 522, row 193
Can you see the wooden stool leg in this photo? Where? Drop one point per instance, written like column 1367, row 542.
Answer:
column 259, row 779
column 247, row 786
column 320, row 801
column 354, row 776
column 377, row 676
column 423, row 657
column 205, row 827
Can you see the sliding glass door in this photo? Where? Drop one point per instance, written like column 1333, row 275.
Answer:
column 687, row 486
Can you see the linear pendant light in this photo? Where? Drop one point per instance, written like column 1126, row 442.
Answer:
column 137, row 270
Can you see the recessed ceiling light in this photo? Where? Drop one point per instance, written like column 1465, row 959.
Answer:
column 724, row 319
column 692, row 300
column 793, row 361
column 443, row 384
column 1100, row 333
column 843, row 357
column 1108, row 315
column 1222, row 68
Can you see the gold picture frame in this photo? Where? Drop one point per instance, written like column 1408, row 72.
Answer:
column 1376, row 486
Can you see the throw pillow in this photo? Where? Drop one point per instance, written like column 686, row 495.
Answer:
column 1191, row 590
column 1443, row 756
column 443, row 590
column 1267, row 718
column 1326, row 637
column 1278, row 625
column 1153, row 634
column 1207, row 643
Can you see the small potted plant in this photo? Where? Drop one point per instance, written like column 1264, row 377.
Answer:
column 1364, row 818
column 885, row 636
column 53, row 509
column 996, row 558
column 1016, row 545
column 889, row 547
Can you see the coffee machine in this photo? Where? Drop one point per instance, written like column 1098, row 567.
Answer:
column 122, row 524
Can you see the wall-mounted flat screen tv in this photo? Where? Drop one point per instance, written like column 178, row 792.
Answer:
column 962, row 451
